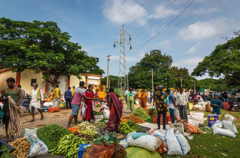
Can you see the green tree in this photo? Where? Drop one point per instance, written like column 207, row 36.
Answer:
column 113, row 81
column 140, row 75
column 187, row 80
column 42, row 46
column 223, row 61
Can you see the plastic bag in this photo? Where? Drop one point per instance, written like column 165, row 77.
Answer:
column 192, row 129
column 173, row 145
column 148, row 142
column 105, row 111
column 217, row 129
column 160, row 133
column 83, row 110
column 230, row 126
column 228, row 117
column 176, row 114
column 134, row 152
column 38, row 148
column 183, row 143
column 100, row 151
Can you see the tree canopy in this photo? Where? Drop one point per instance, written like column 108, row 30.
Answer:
column 223, row 61
column 42, row 46
column 113, row 81
column 140, row 75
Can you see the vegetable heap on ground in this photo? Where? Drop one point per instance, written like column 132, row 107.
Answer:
column 22, row 147
column 135, row 119
column 73, row 129
column 104, row 119
column 124, row 128
column 97, row 113
column 206, row 130
column 112, row 139
column 68, row 146
column 6, row 152
column 140, row 112
column 51, row 134
column 81, row 135
column 134, row 126
column 87, row 128
column 150, row 120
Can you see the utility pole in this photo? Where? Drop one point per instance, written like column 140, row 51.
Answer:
column 152, row 82
column 123, row 71
column 194, row 86
column 108, row 69
column 181, row 82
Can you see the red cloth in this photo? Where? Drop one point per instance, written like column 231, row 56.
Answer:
column 225, row 106
column 115, row 113
column 89, row 105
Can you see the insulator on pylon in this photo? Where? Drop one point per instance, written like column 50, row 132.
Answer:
column 130, row 38
column 130, row 47
column 114, row 45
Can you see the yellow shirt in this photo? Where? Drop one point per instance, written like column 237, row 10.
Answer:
column 56, row 93
column 73, row 92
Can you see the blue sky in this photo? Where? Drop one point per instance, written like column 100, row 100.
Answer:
column 96, row 24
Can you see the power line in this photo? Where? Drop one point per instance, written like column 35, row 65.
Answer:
column 165, row 26
column 178, row 24
column 162, row 19
column 154, row 17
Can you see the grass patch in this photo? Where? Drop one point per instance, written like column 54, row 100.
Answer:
column 215, row 146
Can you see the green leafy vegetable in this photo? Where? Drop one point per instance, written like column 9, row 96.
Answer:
column 6, row 153
column 134, row 126
column 103, row 120
column 124, row 128
column 51, row 134
column 97, row 113
column 141, row 113
column 112, row 139
column 150, row 120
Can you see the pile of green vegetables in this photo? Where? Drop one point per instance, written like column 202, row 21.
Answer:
column 112, row 139
column 100, row 102
column 206, row 130
column 6, row 152
column 87, row 128
column 125, row 129
column 68, row 146
column 97, row 113
column 134, row 126
column 150, row 120
column 51, row 134
column 103, row 120
column 140, row 112
column 100, row 125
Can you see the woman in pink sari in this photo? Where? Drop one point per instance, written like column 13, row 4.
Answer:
column 115, row 107
column 89, row 93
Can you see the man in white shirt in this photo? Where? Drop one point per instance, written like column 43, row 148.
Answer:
column 148, row 96
column 126, row 93
column 36, row 101
column 182, row 101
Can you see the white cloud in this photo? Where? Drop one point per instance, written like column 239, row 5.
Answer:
column 193, row 48
column 161, row 12
column 120, row 11
column 189, row 63
column 201, row 30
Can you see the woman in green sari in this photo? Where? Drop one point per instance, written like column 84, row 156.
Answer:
column 130, row 100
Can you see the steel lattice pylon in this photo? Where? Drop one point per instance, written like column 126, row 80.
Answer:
column 123, row 71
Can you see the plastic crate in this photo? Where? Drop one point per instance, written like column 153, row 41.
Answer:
column 81, row 150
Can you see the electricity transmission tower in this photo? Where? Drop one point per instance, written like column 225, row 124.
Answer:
column 123, row 71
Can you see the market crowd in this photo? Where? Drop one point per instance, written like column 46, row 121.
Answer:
column 86, row 98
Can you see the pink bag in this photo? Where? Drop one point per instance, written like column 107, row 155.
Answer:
column 83, row 110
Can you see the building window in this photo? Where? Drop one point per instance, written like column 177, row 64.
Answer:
column 33, row 81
